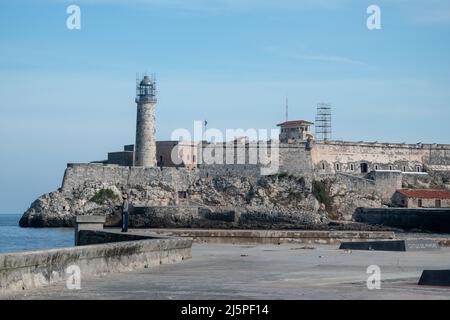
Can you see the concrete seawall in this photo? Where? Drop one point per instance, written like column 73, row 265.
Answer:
column 240, row 237
column 27, row 270
column 435, row 220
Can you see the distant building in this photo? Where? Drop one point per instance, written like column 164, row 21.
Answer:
column 295, row 131
column 122, row 158
column 422, row 198
column 177, row 154
column 185, row 154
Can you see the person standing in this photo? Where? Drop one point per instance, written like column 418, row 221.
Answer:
column 125, row 213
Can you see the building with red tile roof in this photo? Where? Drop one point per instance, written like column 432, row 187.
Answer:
column 422, row 198
column 295, row 131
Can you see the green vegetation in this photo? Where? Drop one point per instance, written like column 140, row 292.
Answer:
column 250, row 195
column 321, row 190
column 301, row 180
column 284, row 174
column 103, row 195
column 322, row 194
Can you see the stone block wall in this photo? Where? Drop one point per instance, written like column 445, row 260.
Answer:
column 437, row 154
column 435, row 220
column 377, row 184
column 386, row 183
column 350, row 157
column 245, row 170
column 77, row 175
column 121, row 158
column 296, row 159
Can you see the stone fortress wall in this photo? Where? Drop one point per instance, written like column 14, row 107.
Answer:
column 355, row 158
column 350, row 157
column 377, row 169
column 310, row 160
column 389, row 167
column 317, row 157
column 288, row 196
column 76, row 175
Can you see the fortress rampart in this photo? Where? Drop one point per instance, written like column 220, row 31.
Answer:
column 313, row 177
column 77, row 175
column 361, row 157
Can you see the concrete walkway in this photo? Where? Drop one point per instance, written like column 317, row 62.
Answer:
column 266, row 272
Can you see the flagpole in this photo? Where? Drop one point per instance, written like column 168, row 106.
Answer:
column 204, row 129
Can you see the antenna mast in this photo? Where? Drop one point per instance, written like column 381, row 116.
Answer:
column 287, row 109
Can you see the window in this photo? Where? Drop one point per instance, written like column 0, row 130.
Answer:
column 376, row 167
column 390, row 168
column 182, row 194
column 419, row 203
column 364, row 167
column 352, row 167
column 338, row 167
column 193, row 158
column 418, row 168
column 404, row 168
column 438, row 203
column 323, row 166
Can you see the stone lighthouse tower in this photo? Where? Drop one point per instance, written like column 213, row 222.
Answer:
column 145, row 150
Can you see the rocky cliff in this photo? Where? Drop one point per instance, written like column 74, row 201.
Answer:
column 172, row 197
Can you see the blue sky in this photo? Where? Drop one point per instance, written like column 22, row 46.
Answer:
column 68, row 95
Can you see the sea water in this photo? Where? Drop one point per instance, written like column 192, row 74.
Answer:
column 14, row 238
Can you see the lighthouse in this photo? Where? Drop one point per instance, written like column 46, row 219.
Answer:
column 145, row 150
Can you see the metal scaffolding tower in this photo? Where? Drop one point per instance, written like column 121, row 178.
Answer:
column 323, row 122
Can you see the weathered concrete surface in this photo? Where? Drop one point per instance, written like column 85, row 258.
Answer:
column 267, row 272
column 225, row 236
column 27, row 270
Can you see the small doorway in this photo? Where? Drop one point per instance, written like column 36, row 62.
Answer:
column 364, row 167
column 438, row 203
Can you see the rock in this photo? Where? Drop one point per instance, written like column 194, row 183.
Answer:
column 266, row 202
